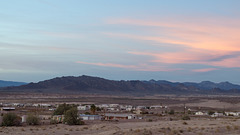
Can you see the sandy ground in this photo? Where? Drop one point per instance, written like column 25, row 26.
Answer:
column 201, row 126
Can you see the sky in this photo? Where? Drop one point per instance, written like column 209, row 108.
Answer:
column 175, row 40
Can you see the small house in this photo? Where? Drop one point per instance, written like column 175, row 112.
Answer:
column 90, row 117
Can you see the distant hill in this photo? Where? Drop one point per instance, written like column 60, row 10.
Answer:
column 10, row 83
column 204, row 85
column 95, row 85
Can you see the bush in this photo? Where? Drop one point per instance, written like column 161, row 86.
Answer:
column 11, row 119
column 71, row 117
column 150, row 120
column 171, row 112
column 53, row 121
column 33, row 120
column 185, row 117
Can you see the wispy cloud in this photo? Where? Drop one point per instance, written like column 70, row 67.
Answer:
column 63, row 35
column 193, row 57
column 139, row 67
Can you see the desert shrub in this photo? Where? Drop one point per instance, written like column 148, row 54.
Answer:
column 52, row 121
column 87, row 113
column 235, row 127
column 150, row 120
column 185, row 117
column 228, row 127
column 33, row 120
column 185, row 123
column 171, row 112
column 147, row 132
column 211, row 112
column 71, row 117
column 11, row 119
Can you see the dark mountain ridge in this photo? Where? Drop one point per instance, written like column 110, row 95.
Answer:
column 204, row 85
column 96, row 85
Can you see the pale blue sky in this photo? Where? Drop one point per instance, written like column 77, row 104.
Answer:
column 177, row 40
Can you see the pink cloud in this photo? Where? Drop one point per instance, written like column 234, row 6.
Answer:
column 205, row 41
column 193, row 57
column 205, row 70
column 201, row 34
column 107, row 64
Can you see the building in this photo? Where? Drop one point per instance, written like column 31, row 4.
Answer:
column 199, row 113
column 8, row 108
column 112, row 116
column 138, row 111
column 90, row 117
column 84, row 107
column 140, row 107
column 232, row 113
column 216, row 114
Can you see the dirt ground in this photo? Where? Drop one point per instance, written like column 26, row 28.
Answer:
column 202, row 126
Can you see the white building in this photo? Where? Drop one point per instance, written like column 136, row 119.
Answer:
column 84, row 107
column 90, row 117
column 216, row 114
column 103, row 106
column 140, row 107
column 199, row 113
column 113, row 105
column 232, row 113
column 8, row 108
column 156, row 107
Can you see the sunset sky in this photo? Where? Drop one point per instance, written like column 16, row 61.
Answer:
column 175, row 40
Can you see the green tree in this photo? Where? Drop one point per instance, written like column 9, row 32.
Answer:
column 62, row 109
column 93, row 109
column 71, row 117
column 33, row 120
column 11, row 119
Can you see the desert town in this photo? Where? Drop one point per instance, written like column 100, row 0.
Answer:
column 106, row 112
column 170, row 116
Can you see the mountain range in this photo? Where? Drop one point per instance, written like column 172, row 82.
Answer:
column 95, row 85
column 10, row 83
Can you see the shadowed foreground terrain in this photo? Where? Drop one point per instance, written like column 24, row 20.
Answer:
column 161, row 127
